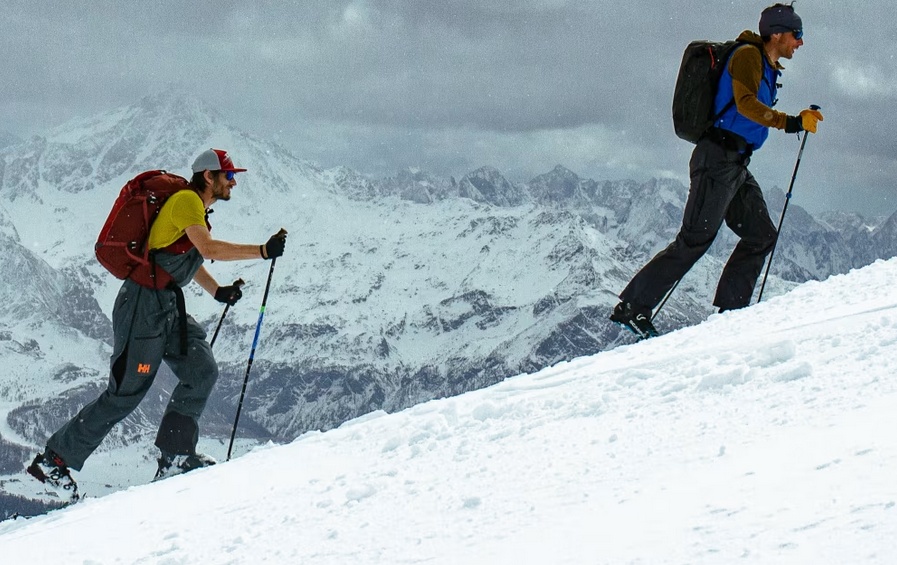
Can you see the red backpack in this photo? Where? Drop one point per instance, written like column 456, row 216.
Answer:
column 122, row 244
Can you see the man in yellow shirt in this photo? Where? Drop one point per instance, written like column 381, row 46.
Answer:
column 151, row 326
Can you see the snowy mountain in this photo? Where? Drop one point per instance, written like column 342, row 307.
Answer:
column 759, row 436
column 392, row 292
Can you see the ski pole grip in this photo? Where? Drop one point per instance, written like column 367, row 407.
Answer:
column 815, row 107
column 239, row 282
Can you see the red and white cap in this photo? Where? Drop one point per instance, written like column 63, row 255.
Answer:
column 214, row 160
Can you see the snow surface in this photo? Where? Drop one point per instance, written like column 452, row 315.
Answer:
column 760, row 436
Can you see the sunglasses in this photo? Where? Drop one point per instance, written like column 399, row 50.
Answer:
column 229, row 175
column 798, row 33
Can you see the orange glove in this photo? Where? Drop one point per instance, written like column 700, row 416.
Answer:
column 809, row 119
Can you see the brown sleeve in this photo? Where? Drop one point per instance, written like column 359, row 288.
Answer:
column 746, row 68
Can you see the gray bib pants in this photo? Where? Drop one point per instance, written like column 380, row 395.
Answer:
column 147, row 331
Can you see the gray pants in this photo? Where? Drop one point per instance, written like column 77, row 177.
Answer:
column 145, row 323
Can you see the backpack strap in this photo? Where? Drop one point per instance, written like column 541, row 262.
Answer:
column 182, row 314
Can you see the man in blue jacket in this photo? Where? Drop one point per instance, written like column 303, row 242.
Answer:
column 722, row 188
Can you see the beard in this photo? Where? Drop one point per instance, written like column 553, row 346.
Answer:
column 221, row 191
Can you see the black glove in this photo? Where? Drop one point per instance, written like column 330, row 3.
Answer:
column 275, row 245
column 794, row 124
column 229, row 294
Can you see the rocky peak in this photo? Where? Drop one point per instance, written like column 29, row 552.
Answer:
column 420, row 186
column 489, row 186
column 559, row 186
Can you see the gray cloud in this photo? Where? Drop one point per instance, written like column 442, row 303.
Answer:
column 449, row 86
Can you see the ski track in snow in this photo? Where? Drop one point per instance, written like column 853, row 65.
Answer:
column 760, row 436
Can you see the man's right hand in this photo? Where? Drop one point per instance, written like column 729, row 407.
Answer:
column 275, row 245
column 809, row 119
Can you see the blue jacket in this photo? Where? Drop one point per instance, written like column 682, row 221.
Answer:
column 754, row 133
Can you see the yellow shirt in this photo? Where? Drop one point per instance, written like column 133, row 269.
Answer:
column 182, row 210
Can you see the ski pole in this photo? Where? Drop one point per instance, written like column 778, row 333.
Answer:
column 238, row 282
column 255, row 341
column 785, row 208
column 665, row 298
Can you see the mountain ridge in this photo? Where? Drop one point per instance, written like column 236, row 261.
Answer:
column 392, row 291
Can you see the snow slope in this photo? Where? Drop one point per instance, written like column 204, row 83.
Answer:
column 760, row 436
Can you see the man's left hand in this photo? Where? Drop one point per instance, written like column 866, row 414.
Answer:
column 229, row 294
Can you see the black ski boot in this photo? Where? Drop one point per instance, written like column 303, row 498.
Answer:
column 170, row 465
column 636, row 320
column 50, row 469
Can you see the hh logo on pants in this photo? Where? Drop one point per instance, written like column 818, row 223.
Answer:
column 143, row 368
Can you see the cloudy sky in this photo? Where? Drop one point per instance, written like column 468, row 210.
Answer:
column 450, row 86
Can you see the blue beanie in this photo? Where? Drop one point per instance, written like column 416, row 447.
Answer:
column 779, row 19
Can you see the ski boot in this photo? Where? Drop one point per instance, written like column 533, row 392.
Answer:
column 51, row 470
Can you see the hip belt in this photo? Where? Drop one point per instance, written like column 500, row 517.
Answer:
column 729, row 141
